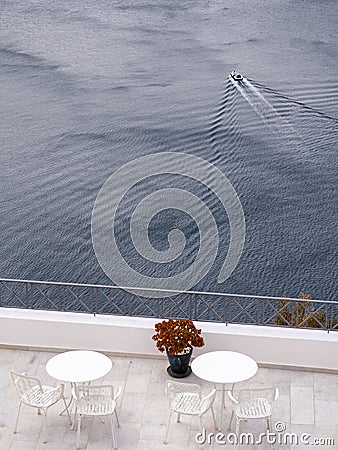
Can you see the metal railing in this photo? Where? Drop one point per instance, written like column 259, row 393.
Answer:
column 201, row 306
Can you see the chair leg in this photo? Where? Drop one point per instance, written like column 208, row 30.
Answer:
column 268, row 426
column 117, row 419
column 68, row 413
column 213, row 416
column 231, row 419
column 75, row 414
column 178, row 418
column 201, row 428
column 17, row 419
column 237, row 433
column 268, row 423
column 167, row 429
column 113, row 433
column 78, row 432
column 44, row 425
column 201, row 425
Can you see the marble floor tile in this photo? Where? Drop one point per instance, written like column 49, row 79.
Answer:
column 302, row 405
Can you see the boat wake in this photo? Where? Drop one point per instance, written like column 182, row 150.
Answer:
column 304, row 131
column 224, row 131
column 323, row 97
column 264, row 109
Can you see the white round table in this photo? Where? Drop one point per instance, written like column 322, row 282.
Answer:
column 224, row 367
column 78, row 366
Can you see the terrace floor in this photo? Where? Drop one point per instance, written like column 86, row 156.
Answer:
column 308, row 403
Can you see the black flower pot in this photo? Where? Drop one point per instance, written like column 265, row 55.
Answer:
column 179, row 364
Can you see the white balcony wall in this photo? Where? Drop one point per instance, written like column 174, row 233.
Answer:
column 267, row 345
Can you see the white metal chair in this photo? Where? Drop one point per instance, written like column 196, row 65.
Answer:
column 95, row 401
column 32, row 393
column 253, row 404
column 185, row 398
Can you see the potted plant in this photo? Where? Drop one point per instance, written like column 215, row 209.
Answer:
column 177, row 337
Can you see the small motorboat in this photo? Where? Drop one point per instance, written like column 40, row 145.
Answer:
column 236, row 76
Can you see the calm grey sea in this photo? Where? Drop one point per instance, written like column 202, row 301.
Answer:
column 88, row 86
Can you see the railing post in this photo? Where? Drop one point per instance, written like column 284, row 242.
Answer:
column 63, row 298
column 160, row 307
column 59, row 298
column 229, row 311
column 192, row 314
column 31, row 295
column 96, row 301
column 27, row 295
column 128, row 302
column 224, row 309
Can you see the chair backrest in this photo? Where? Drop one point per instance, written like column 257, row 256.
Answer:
column 106, row 390
column 117, row 393
column 173, row 388
column 208, row 400
column 270, row 393
column 23, row 383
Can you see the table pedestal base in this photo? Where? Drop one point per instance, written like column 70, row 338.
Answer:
column 179, row 375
